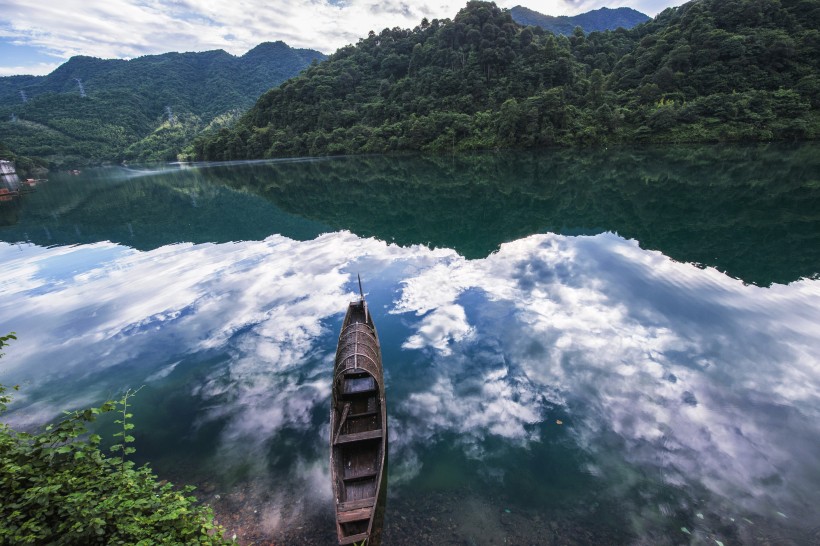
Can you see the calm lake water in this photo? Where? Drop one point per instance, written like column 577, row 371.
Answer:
column 581, row 347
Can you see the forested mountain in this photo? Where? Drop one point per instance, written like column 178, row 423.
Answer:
column 709, row 205
column 26, row 167
column 591, row 21
column 93, row 109
column 705, row 71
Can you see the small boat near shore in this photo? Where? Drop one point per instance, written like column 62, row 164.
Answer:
column 358, row 428
column 30, row 184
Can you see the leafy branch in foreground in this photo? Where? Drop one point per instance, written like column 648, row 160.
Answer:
column 58, row 487
column 4, row 340
column 122, row 447
column 5, row 398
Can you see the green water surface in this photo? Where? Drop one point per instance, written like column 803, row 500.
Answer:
column 600, row 346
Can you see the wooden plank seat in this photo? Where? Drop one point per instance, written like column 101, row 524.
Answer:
column 353, row 539
column 354, row 395
column 358, row 437
column 362, row 475
column 368, row 413
column 355, row 515
column 347, row 506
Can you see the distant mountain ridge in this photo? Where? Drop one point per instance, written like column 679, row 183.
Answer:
column 127, row 101
column 591, row 21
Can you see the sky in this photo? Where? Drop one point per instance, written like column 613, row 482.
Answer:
column 36, row 39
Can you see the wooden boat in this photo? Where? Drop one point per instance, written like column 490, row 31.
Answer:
column 358, row 429
column 28, row 185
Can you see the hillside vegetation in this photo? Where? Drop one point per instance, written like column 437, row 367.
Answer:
column 26, row 167
column 145, row 108
column 709, row 70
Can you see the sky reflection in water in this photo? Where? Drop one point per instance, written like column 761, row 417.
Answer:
column 681, row 390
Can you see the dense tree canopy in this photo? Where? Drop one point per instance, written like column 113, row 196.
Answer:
column 26, row 167
column 144, row 108
column 705, row 71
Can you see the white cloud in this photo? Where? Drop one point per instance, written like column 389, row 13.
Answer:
column 656, row 366
column 38, row 69
column 126, row 29
column 686, row 366
column 82, row 311
column 445, row 325
column 163, row 372
column 78, row 299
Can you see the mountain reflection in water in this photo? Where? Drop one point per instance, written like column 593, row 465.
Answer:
column 751, row 211
column 687, row 398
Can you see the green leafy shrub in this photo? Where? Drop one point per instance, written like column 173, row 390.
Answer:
column 58, row 487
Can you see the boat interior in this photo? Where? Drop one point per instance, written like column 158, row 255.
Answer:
column 357, row 445
column 358, row 427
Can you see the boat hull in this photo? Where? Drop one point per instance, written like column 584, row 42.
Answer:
column 358, row 430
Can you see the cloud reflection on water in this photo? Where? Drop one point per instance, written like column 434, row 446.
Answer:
column 659, row 365
column 711, row 381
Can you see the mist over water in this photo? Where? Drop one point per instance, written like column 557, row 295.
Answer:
column 609, row 348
